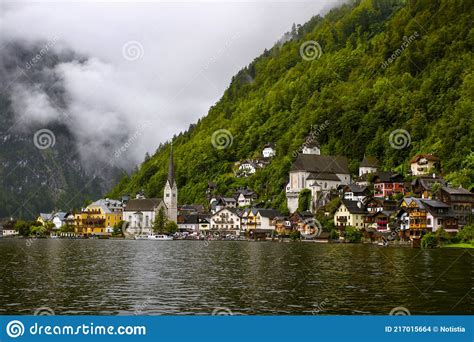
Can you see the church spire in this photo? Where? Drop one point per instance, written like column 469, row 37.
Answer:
column 171, row 168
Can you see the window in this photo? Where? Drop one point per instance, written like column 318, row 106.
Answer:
column 167, row 194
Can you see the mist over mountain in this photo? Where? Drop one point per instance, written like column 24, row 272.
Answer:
column 43, row 163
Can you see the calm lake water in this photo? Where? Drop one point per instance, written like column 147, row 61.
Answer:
column 125, row 277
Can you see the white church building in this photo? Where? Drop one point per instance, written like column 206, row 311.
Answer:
column 140, row 213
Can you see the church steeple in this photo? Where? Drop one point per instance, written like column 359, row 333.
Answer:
column 171, row 167
column 171, row 191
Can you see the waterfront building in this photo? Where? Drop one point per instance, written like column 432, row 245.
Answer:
column 350, row 213
column 226, row 221
column 461, row 202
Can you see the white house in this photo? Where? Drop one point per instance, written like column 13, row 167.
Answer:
column 141, row 213
column 318, row 173
column 311, row 147
column 354, row 192
column 188, row 223
column 422, row 164
column 368, row 165
column 268, row 151
column 59, row 219
column 245, row 197
column 217, row 203
column 227, row 221
column 247, row 167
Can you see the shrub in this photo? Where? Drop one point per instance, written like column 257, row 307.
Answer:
column 353, row 234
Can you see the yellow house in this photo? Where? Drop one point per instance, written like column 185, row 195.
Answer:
column 350, row 213
column 98, row 218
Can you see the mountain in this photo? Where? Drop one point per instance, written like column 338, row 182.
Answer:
column 388, row 79
column 41, row 168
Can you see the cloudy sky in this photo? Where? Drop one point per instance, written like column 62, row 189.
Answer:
column 149, row 69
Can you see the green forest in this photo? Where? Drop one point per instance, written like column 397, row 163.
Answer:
column 383, row 65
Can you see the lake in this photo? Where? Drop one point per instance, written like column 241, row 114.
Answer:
column 127, row 277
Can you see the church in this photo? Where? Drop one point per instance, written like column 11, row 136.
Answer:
column 140, row 212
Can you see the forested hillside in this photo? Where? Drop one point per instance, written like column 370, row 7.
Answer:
column 383, row 65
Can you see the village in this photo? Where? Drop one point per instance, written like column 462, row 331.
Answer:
column 325, row 203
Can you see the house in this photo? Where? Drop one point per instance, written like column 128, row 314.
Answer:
column 387, row 184
column 44, row 218
column 354, row 192
column 461, row 202
column 219, row 202
column 439, row 215
column 98, row 218
column 268, row 150
column 350, row 213
column 376, row 204
column 428, row 216
column 260, row 222
column 368, row 165
column 423, row 164
column 245, row 197
column 311, row 146
column 189, row 209
column 305, row 223
column 7, row 228
column 188, row 223
column 59, row 219
column 226, row 221
column 283, row 225
column 247, row 168
column 141, row 213
column 425, row 186
column 318, row 173
column 204, row 224
column 380, row 220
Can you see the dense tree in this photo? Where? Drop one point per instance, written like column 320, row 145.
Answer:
column 382, row 65
column 159, row 224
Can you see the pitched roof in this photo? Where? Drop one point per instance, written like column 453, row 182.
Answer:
column 188, row 219
column 270, row 213
column 320, row 164
column 357, row 189
column 369, row 162
column 428, row 157
column 323, row 176
column 386, row 177
column 145, row 204
column 457, row 191
column 353, row 207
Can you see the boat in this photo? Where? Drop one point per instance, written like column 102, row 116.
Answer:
column 157, row 237
column 383, row 244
